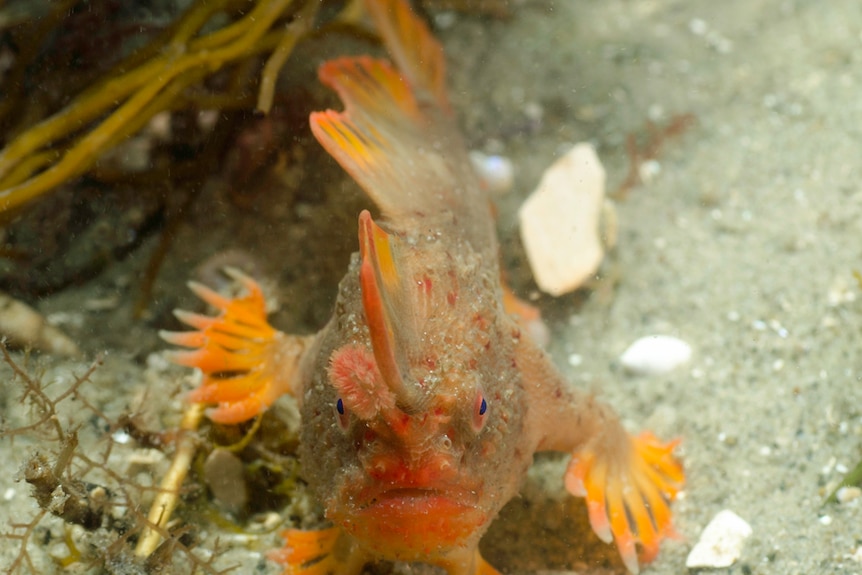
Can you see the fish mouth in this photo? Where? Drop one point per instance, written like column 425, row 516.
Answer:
column 416, row 496
column 409, row 523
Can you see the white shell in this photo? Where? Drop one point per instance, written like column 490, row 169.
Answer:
column 720, row 544
column 655, row 355
column 560, row 222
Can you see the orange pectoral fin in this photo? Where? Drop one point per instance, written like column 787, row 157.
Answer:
column 315, row 553
column 629, row 499
column 237, row 351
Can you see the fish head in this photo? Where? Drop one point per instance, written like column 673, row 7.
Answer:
column 426, row 408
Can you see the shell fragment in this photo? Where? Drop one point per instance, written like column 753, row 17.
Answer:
column 560, row 225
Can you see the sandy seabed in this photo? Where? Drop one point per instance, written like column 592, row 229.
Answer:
column 741, row 243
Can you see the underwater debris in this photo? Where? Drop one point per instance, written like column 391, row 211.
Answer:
column 23, row 326
column 561, row 222
column 720, row 544
column 852, row 479
column 82, row 483
column 642, row 157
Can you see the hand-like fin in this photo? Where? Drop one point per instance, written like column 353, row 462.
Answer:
column 247, row 364
column 628, row 490
column 321, row 552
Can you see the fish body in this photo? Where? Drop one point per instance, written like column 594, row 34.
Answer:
column 423, row 400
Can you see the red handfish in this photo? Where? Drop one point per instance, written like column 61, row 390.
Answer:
column 423, row 400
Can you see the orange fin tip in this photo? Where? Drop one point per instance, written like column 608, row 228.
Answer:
column 628, row 501
column 308, row 552
column 415, row 50
column 239, row 343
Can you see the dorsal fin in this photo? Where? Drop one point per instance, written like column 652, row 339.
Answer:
column 415, row 51
column 396, row 136
column 390, row 147
column 383, row 299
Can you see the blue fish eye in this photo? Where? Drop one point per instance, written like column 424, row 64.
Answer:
column 483, row 407
column 340, row 406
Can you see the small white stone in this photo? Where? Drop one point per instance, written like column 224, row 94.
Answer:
column 496, row 173
column 649, row 171
column 720, row 544
column 655, row 355
column 121, row 437
column 9, row 494
column 825, row 520
column 560, row 222
column 697, row 26
column 158, row 362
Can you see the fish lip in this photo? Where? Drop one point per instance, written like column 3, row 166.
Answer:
column 384, row 494
column 409, row 522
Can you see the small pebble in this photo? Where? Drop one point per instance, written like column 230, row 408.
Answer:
column 697, row 27
column 496, row 173
column 649, row 171
column 224, row 474
column 848, row 494
column 720, row 544
column 121, row 437
column 655, row 355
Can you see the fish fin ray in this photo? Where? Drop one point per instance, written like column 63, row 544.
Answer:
column 628, row 497
column 415, row 50
column 390, row 146
column 387, row 306
column 247, row 364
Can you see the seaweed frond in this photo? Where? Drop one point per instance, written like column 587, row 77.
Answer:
column 157, row 78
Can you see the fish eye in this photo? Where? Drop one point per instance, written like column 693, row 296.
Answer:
column 341, row 414
column 480, row 411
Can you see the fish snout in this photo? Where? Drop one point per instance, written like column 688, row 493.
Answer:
column 412, row 467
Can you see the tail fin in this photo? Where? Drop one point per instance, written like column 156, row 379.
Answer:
column 396, row 136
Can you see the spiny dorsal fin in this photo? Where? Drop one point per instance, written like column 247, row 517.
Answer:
column 396, row 136
column 383, row 300
column 382, row 138
column 416, row 53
